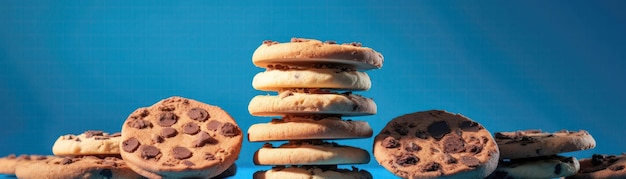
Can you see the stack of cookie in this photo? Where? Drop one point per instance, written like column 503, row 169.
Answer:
column 314, row 81
column 174, row 138
column 534, row 154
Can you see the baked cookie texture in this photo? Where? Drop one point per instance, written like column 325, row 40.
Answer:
column 323, row 77
column 310, row 153
column 436, row 143
column 300, row 50
column 308, row 127
column 290, row 102
column 9, row 163
column 602, row 166
column 312, row 172
column 180, row 138
column 91, row 142
column 535, row 143
column 86, row 167
column 538, row 167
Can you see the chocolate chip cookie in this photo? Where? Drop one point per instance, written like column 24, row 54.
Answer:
column 313, row 172
column 86, row 167
column 9, row 162
column 310, row 153
column 436, row 143
column 91, row 142
column 534, row 143
column 180, row 138
column 536, row 167
column 309, row 127
column 602, row 166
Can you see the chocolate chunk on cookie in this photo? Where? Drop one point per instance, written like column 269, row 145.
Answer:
column 534, row 143
column 436, row 144
column 172, row 139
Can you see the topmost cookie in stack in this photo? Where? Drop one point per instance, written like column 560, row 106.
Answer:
column 314, row 81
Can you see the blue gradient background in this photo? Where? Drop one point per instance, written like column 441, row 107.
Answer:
column 69, row 66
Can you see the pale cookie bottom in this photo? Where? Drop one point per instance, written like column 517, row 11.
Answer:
column 310, row 154
column 72, row 145
column 300, row 128
column 304, row 103
column 312, row 173
column 543, row 167
column 327, row 78
column 535, row 143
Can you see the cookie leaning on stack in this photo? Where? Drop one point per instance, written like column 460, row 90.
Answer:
column 436, row 144
column 180, row 138
column 314, row 81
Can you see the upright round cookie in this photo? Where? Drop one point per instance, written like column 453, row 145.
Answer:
column 301, row 50
column 602, row 166
column 309, row 127
column 91, row 142
column 86, row 167
column 535, row 143
column 180, row 138
column 436, row 143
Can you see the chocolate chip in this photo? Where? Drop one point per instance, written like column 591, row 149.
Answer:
column 213, row 125
column 390, row 142
column 470, row 161
column 229, row 130
column 209, row 157
column 167, row 119
column 412, row 147
column 557, row 169
column 101, row 138
column 117, row 134
column 168, row 132
column 66, row 161
column 91, row 133
column 474, row 149
column 167, row 108
column 139, row 124
column 106, row 173
column 453, row 144
column 198, row 114
column 470, row 126
column 130, row 145
column 191, row 128
column 188, row 163
column 407, row 160
column 157, row 139
column 148, row 152
column 449, row 159
column 438, row 129
column 144, row 113
column 181, row 153
column 203, row 139
column 597, row 159
column 616, row 167
column 432, row 166
column 401, row 129
column 421, row 135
